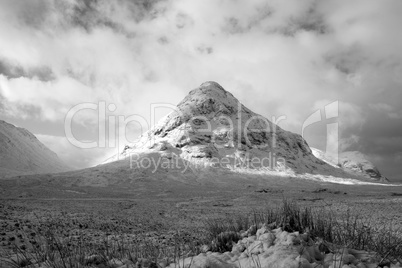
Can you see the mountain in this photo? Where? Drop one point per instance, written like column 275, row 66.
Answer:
column 211, row 144
column 21, row 153
column 211, row 128
column 353, row 162
column 357, row 163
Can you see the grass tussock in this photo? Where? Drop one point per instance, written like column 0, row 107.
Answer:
column 53, row 246
column 347, row 230
column 56, row 248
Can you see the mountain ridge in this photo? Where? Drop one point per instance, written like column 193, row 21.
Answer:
column 21, row 153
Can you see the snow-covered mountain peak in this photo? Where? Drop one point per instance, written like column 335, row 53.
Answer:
column 210, row 128
column 209, row 100
column 211, row 125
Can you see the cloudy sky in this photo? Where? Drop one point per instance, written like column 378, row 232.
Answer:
column 277, row 57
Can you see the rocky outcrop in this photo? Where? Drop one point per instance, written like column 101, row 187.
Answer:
column 22, row 153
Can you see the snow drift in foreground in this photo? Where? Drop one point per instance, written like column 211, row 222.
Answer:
column 281, row 249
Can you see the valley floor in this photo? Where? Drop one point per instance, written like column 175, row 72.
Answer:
column 167, row 214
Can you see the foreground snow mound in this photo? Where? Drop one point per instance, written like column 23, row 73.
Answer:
column 22, row 153
column 281, row 249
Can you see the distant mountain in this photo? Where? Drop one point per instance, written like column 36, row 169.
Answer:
column 21, row 153
column 353, row 162
column 210, row 127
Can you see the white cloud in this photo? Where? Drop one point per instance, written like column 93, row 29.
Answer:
column 349, row 143
column 75, row 157
column 277, row 57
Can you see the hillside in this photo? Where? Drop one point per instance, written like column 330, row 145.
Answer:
column 21, row 153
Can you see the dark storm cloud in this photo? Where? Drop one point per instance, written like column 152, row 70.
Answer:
column 86, row 15
column 10, row 71
column 90, row 14
column 205, row 49
column 31, row 13
column 183, row 20
column 15, row 71
column 163, row 40
column 233, row 26
column 311, row 21
column 382, row 135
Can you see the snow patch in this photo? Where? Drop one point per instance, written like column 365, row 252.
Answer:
column 281, row 249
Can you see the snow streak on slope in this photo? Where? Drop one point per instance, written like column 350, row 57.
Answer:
column 306, row 176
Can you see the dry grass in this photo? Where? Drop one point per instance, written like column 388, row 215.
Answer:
column 353, row 231
column 64, row 242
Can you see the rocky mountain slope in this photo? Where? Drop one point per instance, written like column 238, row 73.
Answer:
column 210, row 127
column 22, row 153
column 353, row 162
